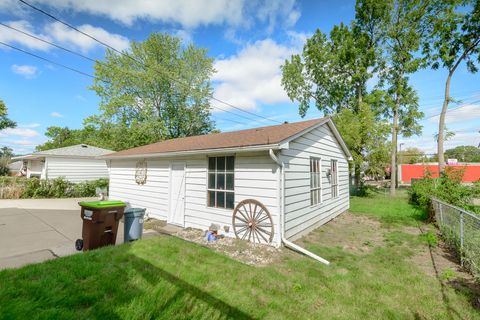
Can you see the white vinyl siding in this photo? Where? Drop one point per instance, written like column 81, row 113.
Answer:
column 255, row 178
column 76, row 169
column 153, row 195
column 300, row 216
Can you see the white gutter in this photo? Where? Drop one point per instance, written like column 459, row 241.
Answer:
column 262, row 147
column 281, row 193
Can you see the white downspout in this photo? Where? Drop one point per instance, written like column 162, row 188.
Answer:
column 287, row 243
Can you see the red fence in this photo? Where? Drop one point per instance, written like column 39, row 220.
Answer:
column 417, row 171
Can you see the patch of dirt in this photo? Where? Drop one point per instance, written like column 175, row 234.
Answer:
column 353, row 233
column 442, row 263
column 412, row 230
column 243, row 251
column 154, row 224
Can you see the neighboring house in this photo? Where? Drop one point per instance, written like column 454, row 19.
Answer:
column 75, row 163
column 196, row 181
column 15, row 167
column 471, row 171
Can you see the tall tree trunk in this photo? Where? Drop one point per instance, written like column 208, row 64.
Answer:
column 441, row 125
column 357, row 167
column 357, row 175
column 393, row 167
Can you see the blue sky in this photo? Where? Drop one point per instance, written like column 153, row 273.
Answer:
column 248, row 39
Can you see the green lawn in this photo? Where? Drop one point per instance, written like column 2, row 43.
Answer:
column 169, row 278
column 396, row 211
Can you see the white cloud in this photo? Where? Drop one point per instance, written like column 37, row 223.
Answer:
column 184, row 35
column 428, row 144
column 61, row 35
column 13, row 37
column 19, row 132
column 25, row 143
column 465, row 113
column 69, row 37
column 29, row 72
column 56, row 114
column 269, row 11
column 187, row 13
column 253, row 75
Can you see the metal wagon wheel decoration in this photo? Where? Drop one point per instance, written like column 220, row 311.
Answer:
column 252, row 222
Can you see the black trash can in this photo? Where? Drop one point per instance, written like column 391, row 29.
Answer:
column 133, row 224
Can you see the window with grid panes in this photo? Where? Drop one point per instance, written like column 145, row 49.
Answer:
column 315, row 181
column 220, row 187
column 334, row 177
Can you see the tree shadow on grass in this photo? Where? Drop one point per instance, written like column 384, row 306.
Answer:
column 109, row 283
column 188, row 300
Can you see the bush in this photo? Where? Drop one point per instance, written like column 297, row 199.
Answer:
column 420, row 192
column 14, row 188
column 88, row 188
column 447, row 188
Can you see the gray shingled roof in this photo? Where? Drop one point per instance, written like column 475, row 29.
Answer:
column 15, row 166
column 79, row 150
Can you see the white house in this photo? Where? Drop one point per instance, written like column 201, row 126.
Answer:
column 297, row 173
column 75, row 163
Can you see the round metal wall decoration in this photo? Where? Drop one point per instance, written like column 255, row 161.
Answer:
column 252, row 222
column 141, row 172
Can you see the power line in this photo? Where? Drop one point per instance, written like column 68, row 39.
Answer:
column 90, row 59
column 47, row 42
column 47, row 60
column 127, row 55
column 453, row 109
column 229, row 120
column 461, row 99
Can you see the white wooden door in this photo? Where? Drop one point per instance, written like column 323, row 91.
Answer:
column 177, row 194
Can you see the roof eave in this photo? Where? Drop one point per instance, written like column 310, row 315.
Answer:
column 262, row 147
column 28, row 157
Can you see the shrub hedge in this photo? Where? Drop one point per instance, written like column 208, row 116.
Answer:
column 20, row 187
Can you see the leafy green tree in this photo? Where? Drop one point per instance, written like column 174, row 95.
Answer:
column 464, row 153
column 378, row 161
column 158, row 90
column 406, row 26
column 333, row 72
column 411, row 156
column 366, row 138
column 6, row 154
column 5, row 122
column 454, row 39
column 60, row 137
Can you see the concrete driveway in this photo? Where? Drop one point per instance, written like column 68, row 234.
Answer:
column 34, row 230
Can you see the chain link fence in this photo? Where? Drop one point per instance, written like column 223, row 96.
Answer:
column 461, row 229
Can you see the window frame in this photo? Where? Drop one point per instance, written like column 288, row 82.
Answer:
column 316, row 191
column 334, row 178
column 216, row 172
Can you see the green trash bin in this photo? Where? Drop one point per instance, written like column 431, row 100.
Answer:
column 133, row 224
